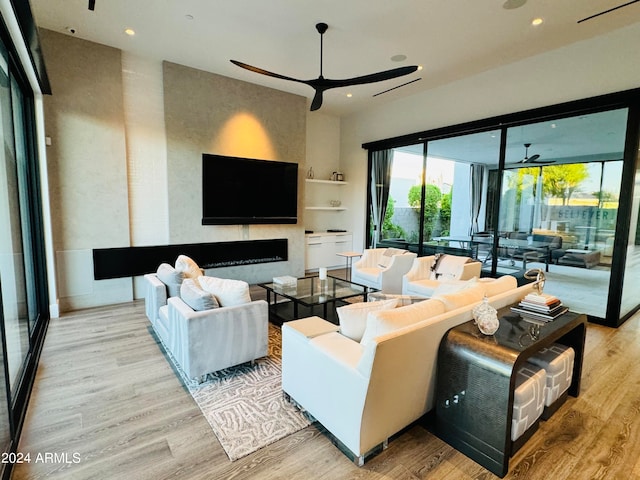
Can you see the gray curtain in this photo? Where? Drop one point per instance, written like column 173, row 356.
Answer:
column 476, row 179
column 382, row 161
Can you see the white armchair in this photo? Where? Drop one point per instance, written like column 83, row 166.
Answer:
column 203, row 339
column 206, row 341
column 383, row 268
column 423, row 278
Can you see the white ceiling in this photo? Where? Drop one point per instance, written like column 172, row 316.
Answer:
column 451, row 39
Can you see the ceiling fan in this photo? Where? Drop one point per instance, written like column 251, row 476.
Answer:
column 321, row 84
column 530, row 159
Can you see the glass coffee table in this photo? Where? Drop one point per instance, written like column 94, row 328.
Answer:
column 309, row 295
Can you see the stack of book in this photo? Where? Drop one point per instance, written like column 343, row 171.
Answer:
column 285, row 284
column 540, row 306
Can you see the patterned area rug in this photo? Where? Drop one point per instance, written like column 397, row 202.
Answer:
column 244, row 404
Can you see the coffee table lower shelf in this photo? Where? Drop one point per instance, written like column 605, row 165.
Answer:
column 284, row 311
column 312, row 297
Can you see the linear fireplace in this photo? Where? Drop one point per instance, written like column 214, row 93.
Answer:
column 132, row 261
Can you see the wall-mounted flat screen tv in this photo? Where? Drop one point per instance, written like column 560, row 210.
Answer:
column 239, row 191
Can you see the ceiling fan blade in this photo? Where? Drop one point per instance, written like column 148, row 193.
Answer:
column 317, row 99
column 265, row 72
column 532, row 158
column 371, row 78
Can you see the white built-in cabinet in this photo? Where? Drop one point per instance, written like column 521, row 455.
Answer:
column 322, row 249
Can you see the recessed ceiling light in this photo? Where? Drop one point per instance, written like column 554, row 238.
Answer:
column 130, row 31
column 420, row 67
column 511, row 4
column 537, row 21
column 349, row 95
column 399, row 58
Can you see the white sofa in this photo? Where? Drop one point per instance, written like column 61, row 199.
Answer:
column 451, row 271
column 203, row 340
column 364, row 392
column 382, row 268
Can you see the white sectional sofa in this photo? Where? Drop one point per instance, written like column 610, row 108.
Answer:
column 364, row 390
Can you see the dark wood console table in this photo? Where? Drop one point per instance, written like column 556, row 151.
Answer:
column 476, row 379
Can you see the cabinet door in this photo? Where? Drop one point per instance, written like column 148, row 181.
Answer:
column 313, row 254
column 343, row 243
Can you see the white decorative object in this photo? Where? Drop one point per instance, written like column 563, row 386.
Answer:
column 486, row 317
column 322, row 273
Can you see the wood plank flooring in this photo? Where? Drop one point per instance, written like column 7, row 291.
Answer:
column 105, row 393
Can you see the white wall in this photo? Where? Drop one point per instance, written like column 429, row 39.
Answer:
column 601, row 65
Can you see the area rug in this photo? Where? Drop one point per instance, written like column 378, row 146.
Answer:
column 244, row 404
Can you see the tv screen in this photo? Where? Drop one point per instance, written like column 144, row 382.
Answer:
column 238, row 191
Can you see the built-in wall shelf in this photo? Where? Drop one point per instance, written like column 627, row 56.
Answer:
column 323, row 204
column 328, row 182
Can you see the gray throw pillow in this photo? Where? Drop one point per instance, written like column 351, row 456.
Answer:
column 171, row 278
column 197, row 298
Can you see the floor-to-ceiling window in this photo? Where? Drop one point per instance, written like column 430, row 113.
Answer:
column 23, row 293
column 542, row 189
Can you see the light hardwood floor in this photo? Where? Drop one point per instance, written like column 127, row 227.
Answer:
column 105, row 392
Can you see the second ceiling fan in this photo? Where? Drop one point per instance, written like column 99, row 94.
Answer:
column 531, row 159
column 321, row 84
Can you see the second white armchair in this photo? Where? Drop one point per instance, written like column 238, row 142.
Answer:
column 383, row 268
column 429, row 273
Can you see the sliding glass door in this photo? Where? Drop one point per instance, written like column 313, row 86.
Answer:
column 518, row 192
column 559, row 204
column 23, row 295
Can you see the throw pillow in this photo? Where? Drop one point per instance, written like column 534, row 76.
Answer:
column 228, row 292
column 171, row 278
column 387, row 256
column 353, row 318
column 495, row 286
column 188, row 267
column 386, row 321
column 453, row 286
column 195, row 297
column 462, row 298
